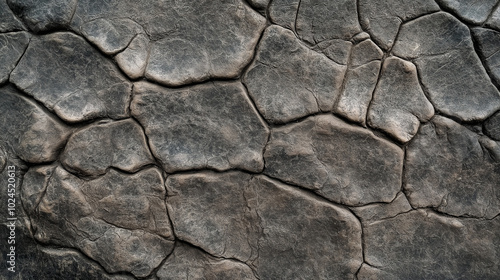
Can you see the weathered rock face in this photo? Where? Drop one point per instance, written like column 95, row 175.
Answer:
column 118, row 220
column 343, row 163
column 282, row 232
column 449, row 68
column 206, row 126
column 249, row 139
column 453, row 170
column 448, row 248
column 288, row 81
column 192, row 40
column 71, row 78
column 93, row 150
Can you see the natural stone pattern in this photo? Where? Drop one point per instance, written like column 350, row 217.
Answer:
column 320, row 20
column 8, row 22
column 260, row 4
column 284, row 12
column 475, row 12
column 449, row 68
column 116, row 220
column 12, row 47
column 111, row 37
column 454, row 170
column 382, row 18
column 193, row 41
column 360, row 82
column 133, row 60
column 44, row 15
column 494, row 19
column 186, row 262
column 281, row 231
column 380, row 211
column 33, row 133
column 399, row 104
column 343, row 163
column 489, row 46
column 71, row 78
column 205, row 126
column 94, row 149
column 424, row 245
column 492, row 126
column 288, row 81
column 336, row 50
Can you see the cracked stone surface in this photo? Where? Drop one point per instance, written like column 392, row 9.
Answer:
column 187, row 262
column 453, row 170
column 118, row 220
column 249, row 139
column 450, row 70
column 288, row 81
column 207, row 126
column 399, row 104
column 281, row 231
column 341, row 162
column 71, row 78
column 94, row 149
column 424, row 245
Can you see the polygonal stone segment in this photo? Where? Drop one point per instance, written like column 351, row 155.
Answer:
column 432, row 34
column 399, row 104
column 288, row 81
column 475, row 12
column 89, row 216
column 452, row 169
column 494, row 19
column 448, row 248
column 284, row 12
column 205, row 126
column 192, row 40
column 8, row 22
column 365, row 52
column 44, row 15
column 187, row 262
column 134, row 58
column 67, row 75
column 12, row 47
column 337, row 50
column 489, row 46
column 343, row 163
column 492, row 126
column 357, row 92
column 34, row 134
column 111, row 36
column 94, row 149
column 380, row 211
column 319, row 20
column 297, row 236
column 382, row 18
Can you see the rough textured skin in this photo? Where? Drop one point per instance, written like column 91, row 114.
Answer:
column 256, row 220
column 249, row 139
column 343, row 163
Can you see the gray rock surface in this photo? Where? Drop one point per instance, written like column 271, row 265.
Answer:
column 8, row 21
column 282, row 232
column 380, row 211
column 343, row 163
column 449, row 68
column 192, row 40
column 133, row 60
column 383, row 18
column 34, row 134
column 12, row 46
column 337, row 50
column 44, row 15
column 187, row 262
column 288, row 81
column 453, row 170
column 494, row 20
column 284, row 12
column 488, row 42
column 118, row 220
column 492, row 126
column 71, row 78
column 94, row 149
column 475, row 12
column 424, row 245
column 211, row 125
column 399, row 104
